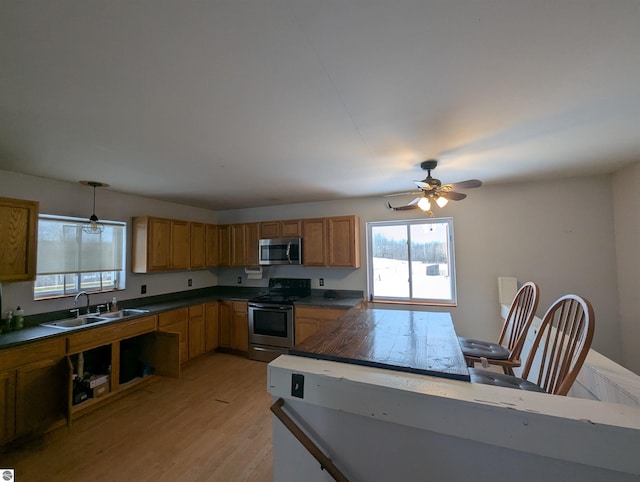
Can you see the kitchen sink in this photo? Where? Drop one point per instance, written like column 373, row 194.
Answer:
column 76, row 322
column 124, row 313
column 85, row 320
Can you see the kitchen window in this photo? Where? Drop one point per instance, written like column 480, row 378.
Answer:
column 411, row 261
column 71, row 260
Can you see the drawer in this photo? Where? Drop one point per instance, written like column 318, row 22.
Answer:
column 319, row 313
column 108, row 334
column 32, row 352
column 240, row 306
column 174, row 316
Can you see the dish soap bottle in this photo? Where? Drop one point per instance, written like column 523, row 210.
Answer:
column 18, row 319
column 114, row 304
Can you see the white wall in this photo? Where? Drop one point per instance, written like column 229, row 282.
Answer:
column 626, row 204
column 556, row 233
column 73, row 199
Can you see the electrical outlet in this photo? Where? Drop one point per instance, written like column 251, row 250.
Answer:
column 239, row 280
column 321, row 281
column 297, row 385
column 143, row 289
column 190, row 282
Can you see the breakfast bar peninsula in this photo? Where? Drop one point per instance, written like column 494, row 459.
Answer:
column 385, row 395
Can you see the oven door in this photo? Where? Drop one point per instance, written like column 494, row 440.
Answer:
column 271, row 325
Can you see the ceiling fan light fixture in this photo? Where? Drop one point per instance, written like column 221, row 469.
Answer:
column 94, row 226
column 441, row 201
column 424, row 204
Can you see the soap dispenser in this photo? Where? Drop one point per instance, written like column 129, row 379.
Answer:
column 114, row 304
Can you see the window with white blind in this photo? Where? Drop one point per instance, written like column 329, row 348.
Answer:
column 71, row 260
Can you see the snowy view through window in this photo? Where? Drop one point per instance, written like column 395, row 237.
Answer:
column 412, row 260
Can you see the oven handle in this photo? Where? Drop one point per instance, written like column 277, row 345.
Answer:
column 271, row 307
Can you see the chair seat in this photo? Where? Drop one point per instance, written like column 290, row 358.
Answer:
column 480, row 348
column 487, row 377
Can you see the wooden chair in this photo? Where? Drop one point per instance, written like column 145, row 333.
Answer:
column 506, row 353
column 558, row 351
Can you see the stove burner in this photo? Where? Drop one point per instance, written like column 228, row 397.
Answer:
column 284, row 291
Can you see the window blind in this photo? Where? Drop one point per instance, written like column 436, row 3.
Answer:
column 64, row 248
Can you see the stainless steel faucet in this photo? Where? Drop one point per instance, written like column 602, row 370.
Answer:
column 75, row 300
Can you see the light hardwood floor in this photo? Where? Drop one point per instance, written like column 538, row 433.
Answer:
column 212, row 424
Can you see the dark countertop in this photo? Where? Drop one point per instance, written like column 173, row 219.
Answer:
column 402, row 340
column 33, row 331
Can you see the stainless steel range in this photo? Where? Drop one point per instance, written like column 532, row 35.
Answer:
column 271, row 318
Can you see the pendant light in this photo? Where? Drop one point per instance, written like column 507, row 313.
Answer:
column 94, row 226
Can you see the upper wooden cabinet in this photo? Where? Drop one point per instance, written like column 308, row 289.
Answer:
column 166, row 244
column 291, row 228
column 251, row 237
column 151, row 249
column 343, row 234
column 237, row 245
column 180, row 244
column 160, row 244
column 331, row 242
column 198, row 246
column 18, row 239
column 224, row 244
column 212, row 246
column 314, row 244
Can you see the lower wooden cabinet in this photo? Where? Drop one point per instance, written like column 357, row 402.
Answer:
column 32, row 381
column 196, row 331
column 308, row 320
column 211, row 326
column 177, row 321
column 119, row 363
column 233, row 325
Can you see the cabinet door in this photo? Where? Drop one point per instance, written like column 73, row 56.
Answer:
column 225, row 319
column 240, row 327
column 40, row 395
column 343, row 242
column 198, row 246
column 309, row 319
column 237, row 245
column 18, row 239
column 269, row 229
column 305, row 327
column 158, row 256
column 196, row 331
column 251, row 231
column 211, row 326
column 181, row 327
column 180, row 244
column 224, row 240
column 291, row 228
column 313, row 248
column 7, row 405
column 213, row 247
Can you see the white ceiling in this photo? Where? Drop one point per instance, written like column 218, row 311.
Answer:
column 232, row 104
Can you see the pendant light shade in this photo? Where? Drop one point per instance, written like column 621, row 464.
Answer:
column 94, row 226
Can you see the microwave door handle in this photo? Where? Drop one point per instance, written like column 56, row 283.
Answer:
column 289, row 252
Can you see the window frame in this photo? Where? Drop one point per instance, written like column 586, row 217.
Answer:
column 74, row 279
column 411, row 300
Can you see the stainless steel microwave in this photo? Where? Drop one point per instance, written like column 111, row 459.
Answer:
column 280, row 251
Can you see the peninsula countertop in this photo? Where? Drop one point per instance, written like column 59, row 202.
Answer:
column 411, row 341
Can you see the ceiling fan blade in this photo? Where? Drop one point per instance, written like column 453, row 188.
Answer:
column 408, row 207
column 453, row 196
column 471, row 183
column 403, row 193
column 424, row 185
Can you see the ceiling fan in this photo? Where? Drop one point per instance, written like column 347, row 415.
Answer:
column 432, row 190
